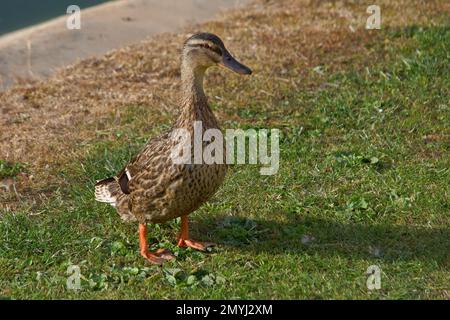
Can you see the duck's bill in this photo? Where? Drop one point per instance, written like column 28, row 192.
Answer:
column 231, row 63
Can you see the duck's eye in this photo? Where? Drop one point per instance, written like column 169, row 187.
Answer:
column 209, row 47
column 212, row 48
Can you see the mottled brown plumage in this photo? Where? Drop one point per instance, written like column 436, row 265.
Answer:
column 151, row 188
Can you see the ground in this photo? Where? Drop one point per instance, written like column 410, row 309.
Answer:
column 364, row 174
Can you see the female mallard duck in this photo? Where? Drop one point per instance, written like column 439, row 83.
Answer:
column 152, row 188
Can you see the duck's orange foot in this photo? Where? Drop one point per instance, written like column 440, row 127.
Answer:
column 158, row 257
column 184, row 241
column 197, row 245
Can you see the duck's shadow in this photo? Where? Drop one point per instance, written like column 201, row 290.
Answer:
column 307, row 235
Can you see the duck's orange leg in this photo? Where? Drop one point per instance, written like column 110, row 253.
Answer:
column 183, row 238
column 159, row 256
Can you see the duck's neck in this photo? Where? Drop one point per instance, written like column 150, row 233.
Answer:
column 194, row 106
column 192, row 81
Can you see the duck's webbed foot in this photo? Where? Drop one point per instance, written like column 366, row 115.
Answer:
column 202, row 246
column 157, row 257
column 185, row 241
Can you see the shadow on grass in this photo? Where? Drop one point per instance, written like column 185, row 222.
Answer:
column 310, row 235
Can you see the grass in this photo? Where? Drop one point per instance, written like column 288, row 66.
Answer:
column 364, row 180
column 8, row 169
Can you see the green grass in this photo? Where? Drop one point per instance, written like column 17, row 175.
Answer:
column 8, row 169
column 358, row 186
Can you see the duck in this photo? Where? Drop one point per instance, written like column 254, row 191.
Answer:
column 153, row 188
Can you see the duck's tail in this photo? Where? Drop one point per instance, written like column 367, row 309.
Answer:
column 108, row 191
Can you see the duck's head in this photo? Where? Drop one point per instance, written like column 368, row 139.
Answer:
column 204, row 50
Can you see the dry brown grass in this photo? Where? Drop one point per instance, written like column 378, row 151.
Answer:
column 46, row 124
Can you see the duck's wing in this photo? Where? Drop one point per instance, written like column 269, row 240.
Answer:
column 151, row 162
